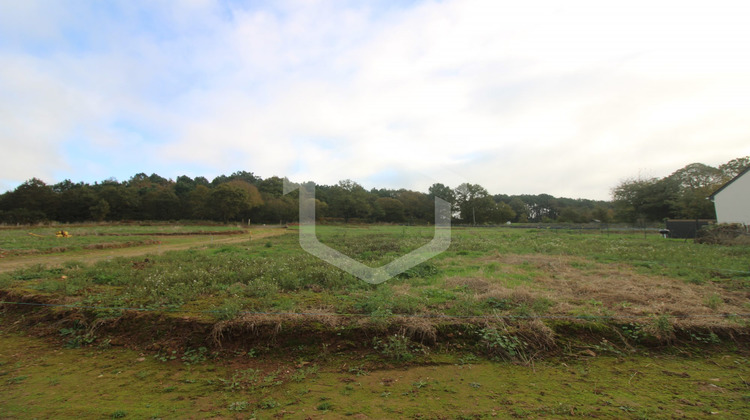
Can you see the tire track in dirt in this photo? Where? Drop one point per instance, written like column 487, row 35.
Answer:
column 92, row 256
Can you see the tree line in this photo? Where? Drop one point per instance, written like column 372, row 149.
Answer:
column 681, row 195
column 243, row 196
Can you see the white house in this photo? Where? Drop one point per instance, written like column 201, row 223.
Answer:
column 732, row 200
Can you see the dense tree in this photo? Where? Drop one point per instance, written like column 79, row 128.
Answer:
column 383, row 193
column 244, row 196
column 282, row 209
column 572, row 215
column 100, row 210
column 348, row 200
column 33, row 196
column 417, row 206
column 123, row 201
column 646, row 199
column 230, row 201
column 733, row 168
column 469, row 199
column 158, row 180
column 683, row 194
column 183, row 185
column 138, row 179
column 160, row 204
column 542, row 207
column 65, row 185
column 197, row 203
column 503, row 213
column 695, row 182
column 390, row 210
column 520, row 209
column 248, row 177
column 697, row 176
column 273, row 186
column 75, row 202
column 603, row 214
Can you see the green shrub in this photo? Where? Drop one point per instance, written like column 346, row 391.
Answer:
column 261, row 288
column 119, row 414
column 395, row 347
column 661, row 327
column 193, row 356
column 714, row 301
column 229, row 309
column 239, row 406
column 502, row 344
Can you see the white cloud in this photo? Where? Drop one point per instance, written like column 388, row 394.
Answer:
column 566, row 98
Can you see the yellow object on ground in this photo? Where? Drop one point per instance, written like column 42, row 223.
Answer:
column 59, row 234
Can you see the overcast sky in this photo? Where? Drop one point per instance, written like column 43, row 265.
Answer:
column 566, row 98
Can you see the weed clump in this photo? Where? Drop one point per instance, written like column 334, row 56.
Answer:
column 713, row 301
column 500, row 344
column 239, row 406
column 661, row 327
column 396, row 347
column 229, row 310
column 423, row 270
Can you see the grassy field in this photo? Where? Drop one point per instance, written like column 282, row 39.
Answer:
column 485, row 272
column 35, row 240
column 532, row 305
column 39, row 379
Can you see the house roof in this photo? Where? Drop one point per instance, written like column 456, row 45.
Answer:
column 739, row 175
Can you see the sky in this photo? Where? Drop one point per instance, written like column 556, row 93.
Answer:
column 565, row 98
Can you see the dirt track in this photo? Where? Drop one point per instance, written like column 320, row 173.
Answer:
column 92, row 256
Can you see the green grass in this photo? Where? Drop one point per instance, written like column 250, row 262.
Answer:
column 126, row 385
column 388, row 372
column 653, row 254
column 223, row 281
column 19, row 241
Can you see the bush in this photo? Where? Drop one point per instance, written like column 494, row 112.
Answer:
column 395, row 347
column 503, row 345
column 713, row 301
column 661, row 327
column 229, row 309
column 723, row 234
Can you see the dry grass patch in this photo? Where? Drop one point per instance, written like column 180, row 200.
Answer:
column 550, row 263
column 474, row 284
column 612, row 289
column 268, row 326
column 518, row 295
column 417, row 329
